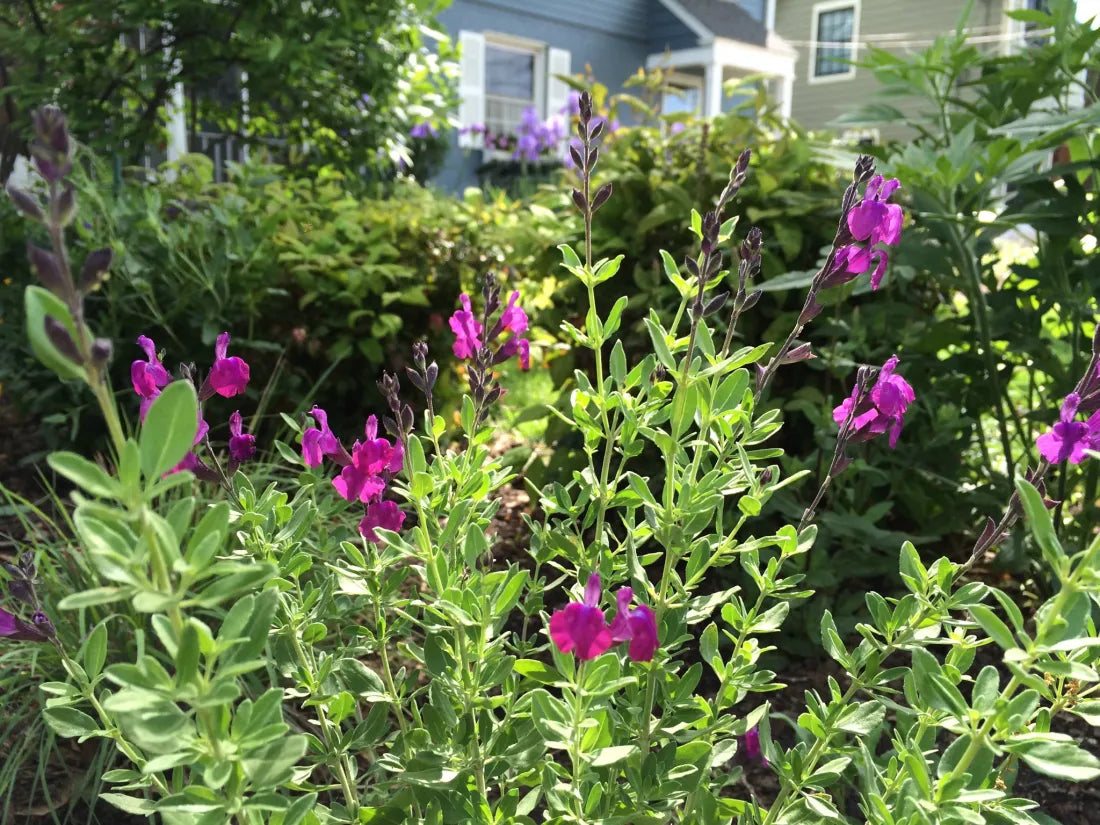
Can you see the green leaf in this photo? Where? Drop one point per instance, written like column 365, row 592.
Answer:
column 39, row 303
column 70, row 722
column 169, row 429
column 612, row 755
column 271, row 764
column 95, row 651
column 1042, row 527
column 537, row 671
column 861, row 719
column 1055, row 755
column 86, row 474
column 130, row 804
column 93, row 597
column 998, row 631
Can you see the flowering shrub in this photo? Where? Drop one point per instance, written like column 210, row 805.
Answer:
column 297, row 669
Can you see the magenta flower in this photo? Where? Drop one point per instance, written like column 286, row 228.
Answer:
column 363, row 478
column 513, row 317
column 318, row 443
column 580, row 626
column 228, row 376
column 39, row 629
column 524, row 354
column 883, row 409
column 638, row 626
column 241, row 445
column 466, row 329
column 873, row 221
column 1069, row 439
column 149, row 376
column 751, row 741
column 384, row 514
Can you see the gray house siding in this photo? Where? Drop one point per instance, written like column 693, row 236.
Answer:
column 753, row 7
column 817, row 105
column 609, row 35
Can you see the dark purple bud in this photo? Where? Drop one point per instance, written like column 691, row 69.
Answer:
column 578, row 199
column 593, row 156
column 800, row 353
column 102, row 350
column 752, row 300
column 391, row 426
column 597, row 130
column 659, row 374
column 766, row 476
column 575, row 155
column 48, row 269
column 715, row 303
column 22, row 590
column 420, row 353
column 407, row 418
column 865, row 376
column 494, row 395
column 26, row 203
column 59, row 336
column 865, row 168
column 94, row 271
column 66, row 205
column 414, row 378
column 431, row 374
column 26, row 564
column 810, row 311
column 839, row 466
column 44, row 625
column 585, row 106
column 50, row 128
column 601, row 196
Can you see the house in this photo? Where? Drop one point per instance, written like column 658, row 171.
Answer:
column 514, row 50
column 828, row 34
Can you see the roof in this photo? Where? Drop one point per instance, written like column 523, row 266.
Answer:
column 719, row 18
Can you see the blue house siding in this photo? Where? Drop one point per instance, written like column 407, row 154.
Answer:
column 667, row 31
column 753, row 7
column 609, row 35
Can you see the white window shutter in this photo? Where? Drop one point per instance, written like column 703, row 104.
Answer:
column 471, row 87
column 557, row 92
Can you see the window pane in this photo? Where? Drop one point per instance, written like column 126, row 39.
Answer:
column 834, row 39
column 509, row 73
column 684, row 99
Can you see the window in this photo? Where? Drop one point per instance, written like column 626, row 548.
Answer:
column 501, row 75
column 514, row 76
column 1030, row 27
column 835, row 25
column 683, row 93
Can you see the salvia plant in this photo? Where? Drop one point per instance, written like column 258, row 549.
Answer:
column 345, row 647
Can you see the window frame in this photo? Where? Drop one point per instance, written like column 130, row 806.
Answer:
column 815, row 24
column 538, row 51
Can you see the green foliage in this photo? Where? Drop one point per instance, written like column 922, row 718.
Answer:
column 321, row 285
column 995, row 298
column 308, row 67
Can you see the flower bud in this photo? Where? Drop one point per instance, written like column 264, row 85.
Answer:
column 102, row 350
column 94, row 271
column 26, row 203
column 800, row 353
column 48, row 269
column 51, row 149
column 66, row 205
column 61, row 339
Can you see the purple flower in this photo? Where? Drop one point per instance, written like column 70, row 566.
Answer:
column 872, row 221
column 751, row 741
column 241, row 445
column 638, row 626
column 572, row 107
column 363, row 478
column 580, row 626
column 318, row 443
column 883, row 408
column 228, row 376
column 466, row 329
column 148, row 376
column 524, row 354
column 384, row 514
column 677, row 127
column 423, row 130
column 39, row 629
column 1069, row 439
column 513, row 317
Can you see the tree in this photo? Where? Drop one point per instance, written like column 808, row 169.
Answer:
column 339, row 82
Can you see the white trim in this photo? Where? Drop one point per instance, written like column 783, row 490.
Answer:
column 690, row 20
column 712, row 94
column 815, row 18
column 733, row 54
column 769, row 15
